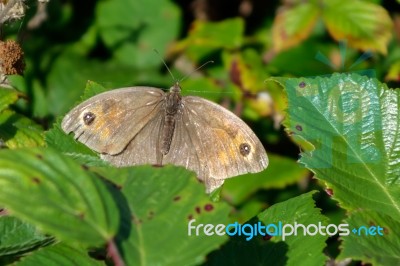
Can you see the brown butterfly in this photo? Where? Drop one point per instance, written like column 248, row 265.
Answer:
column 145, row 125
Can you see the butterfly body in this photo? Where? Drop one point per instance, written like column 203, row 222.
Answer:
column 145, row 125
column 173, row 105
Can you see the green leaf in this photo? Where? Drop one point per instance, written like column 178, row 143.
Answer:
column 293, row 25
column 67, row 83
column 248, row 209
column 58, row 139
column 40, row 107
column 18, row 131
column 7, row 97
column 375, row 249
column 353, row 123
column 207, row 37
column 18, row 82
column 162, row 201
column 362, row 24
column 57, row 195
column 393, row 73
column 131, row 29
column 280, row 173
column 260, row 251
column 302, row 210
column 60, row 254
column 298, row 61
column 18, row 237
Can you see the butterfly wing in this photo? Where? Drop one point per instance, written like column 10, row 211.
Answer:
column 144, row 147
column 108, row 121
column 125, row 126
column 216, row 143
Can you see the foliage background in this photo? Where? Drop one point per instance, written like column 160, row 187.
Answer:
column 112, row 43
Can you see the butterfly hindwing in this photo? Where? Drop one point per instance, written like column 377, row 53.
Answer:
column 222, row 145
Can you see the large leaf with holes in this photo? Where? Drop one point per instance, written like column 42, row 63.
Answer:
column 351, row 126
column 162, row 201
column 57, row 195
column 379, row 233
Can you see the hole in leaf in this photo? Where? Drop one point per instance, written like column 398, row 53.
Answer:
column 177, row 198
column 208, row 207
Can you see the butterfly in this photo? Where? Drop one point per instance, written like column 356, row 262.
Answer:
column 145, row 125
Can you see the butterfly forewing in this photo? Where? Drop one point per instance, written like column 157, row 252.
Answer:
column 116, row 117
column 144, row 147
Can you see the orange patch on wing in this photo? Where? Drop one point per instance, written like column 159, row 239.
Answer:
column 107, row 120
column 227, row 150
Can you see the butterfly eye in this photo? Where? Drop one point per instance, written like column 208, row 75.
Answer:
column 88, row 118
column 244, row 149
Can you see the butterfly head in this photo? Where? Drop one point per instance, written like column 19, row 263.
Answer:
column 176, row 88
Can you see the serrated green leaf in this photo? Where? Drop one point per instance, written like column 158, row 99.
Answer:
column 250, row 208
column 57, row 195
column 302, row 210
column 60, row 254
column 18, row 237
column 299, row 210
column 92, row 89
column 260, row 251
column 237, row 189
column 58, row 139
column 362, row 24
column 353, row 123
column 18, row 131
column 132, row 29
column 162, row 201
column 372, row 248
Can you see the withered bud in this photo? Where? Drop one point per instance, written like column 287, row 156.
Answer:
column 11, row 58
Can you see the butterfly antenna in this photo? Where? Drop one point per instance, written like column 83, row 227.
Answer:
column 165, row 64
column 200, row 67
